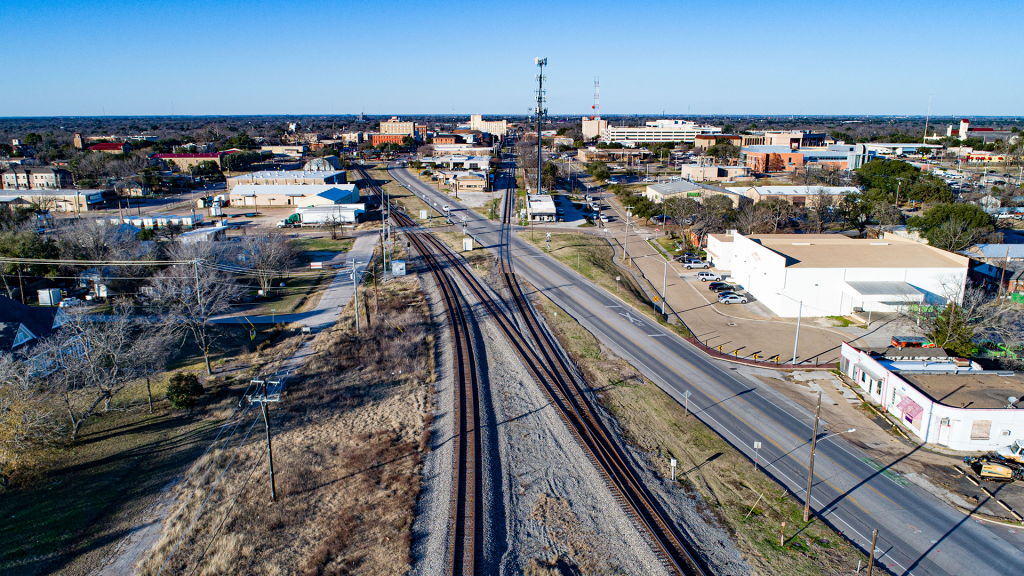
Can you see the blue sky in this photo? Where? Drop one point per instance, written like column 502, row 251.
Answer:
column 392, row 57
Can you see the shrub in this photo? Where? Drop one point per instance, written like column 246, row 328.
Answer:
column 184, row 390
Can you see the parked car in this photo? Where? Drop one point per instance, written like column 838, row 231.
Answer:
column 648, row 180
column 694, row 263
column 613, row 181
column 604, row 219
column 706, row 276
column 731, row 298
column 69, row 302
column 690, row 256
column 720, row 287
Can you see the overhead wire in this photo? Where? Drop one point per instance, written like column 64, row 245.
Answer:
column 208, row 496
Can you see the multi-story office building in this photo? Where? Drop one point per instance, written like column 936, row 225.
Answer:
column 658, row 131
column 396, row 126
column 495, row 127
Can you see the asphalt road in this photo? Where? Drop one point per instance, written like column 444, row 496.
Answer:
column 918, row 533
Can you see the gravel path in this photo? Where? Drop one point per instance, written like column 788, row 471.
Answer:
column 430, row 529
column 546, row 503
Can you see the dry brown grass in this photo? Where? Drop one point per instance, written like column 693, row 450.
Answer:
column 712, row 473
column 348, row 447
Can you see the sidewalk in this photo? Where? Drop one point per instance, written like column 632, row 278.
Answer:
column 334, row 298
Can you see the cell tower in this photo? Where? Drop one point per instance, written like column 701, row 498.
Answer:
column 541, row 111
column 597, row 100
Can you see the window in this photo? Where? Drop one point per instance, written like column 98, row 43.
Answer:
column 981, row 429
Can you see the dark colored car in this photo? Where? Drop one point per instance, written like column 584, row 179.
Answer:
column 719, row 286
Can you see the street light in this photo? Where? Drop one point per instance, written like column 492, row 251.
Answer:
column 664, row 282
column 799, row 313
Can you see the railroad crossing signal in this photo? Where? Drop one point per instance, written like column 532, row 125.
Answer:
column 655, row 298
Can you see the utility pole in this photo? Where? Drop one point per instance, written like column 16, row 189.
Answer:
column 263, row 398
column 796, row 340
column 871, row 556
column 810, row 468
column 355, row 292
column 541, row 111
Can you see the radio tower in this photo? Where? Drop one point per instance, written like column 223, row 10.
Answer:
column 597, row 100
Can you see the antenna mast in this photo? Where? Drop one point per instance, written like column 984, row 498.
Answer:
column 927, row 116
column 597, row 98
column 541, row 111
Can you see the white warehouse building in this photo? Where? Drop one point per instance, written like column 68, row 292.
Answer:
column 833, row 275
column 292, row 194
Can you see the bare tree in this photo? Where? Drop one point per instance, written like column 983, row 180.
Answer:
column 955, row 235
column 192, row 294
column 824, row 206
column 333, row 223
column 886, row 214
column 971, row 315
column 92, row 358
column 28, row 417
column 268, row 256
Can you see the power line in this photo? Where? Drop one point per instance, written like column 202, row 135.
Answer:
column 208, row 496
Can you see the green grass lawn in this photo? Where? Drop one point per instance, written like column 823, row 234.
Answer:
column 323, row 244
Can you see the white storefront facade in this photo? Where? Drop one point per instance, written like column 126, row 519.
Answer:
column 964, row 429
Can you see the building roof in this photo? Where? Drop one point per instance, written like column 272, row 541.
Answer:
column 38, row 321
column 794, row 190
column 769, row 149
column 296, row 174
column 542, row 203
column 838, row 251
column 970, row 389
column 210, row 155
column 996, row 251
column 330, row 191
column 894, row 291
column 22, row 169
column 677, row 187
column 57, row 192
column 108, row 146
column 721, row 237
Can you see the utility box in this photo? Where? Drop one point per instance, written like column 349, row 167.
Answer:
column 398, row 268
column 49, row 297
column 423, row 215
column 467, row 244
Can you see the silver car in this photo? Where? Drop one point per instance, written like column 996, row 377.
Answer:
column 731, row 298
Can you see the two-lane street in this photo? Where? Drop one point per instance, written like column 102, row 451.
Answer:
column 918, row 533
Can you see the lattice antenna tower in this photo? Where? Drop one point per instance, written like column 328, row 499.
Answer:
column 597, row 98
column 541, row 111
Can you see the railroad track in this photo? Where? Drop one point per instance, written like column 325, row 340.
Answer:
column 465, row 521
column 564, row 386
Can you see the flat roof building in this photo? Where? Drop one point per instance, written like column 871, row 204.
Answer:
column 657, row 131
column 293, row 194
column 61, row 199
column 946, row 401
column 795, row 195
column 281, row 177
column 541, row 208
column 495, row 127
column 657, row 193
column 833, row 275
column 188, row 161
column 460, row 161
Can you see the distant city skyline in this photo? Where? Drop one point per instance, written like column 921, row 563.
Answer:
column 778, row 59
